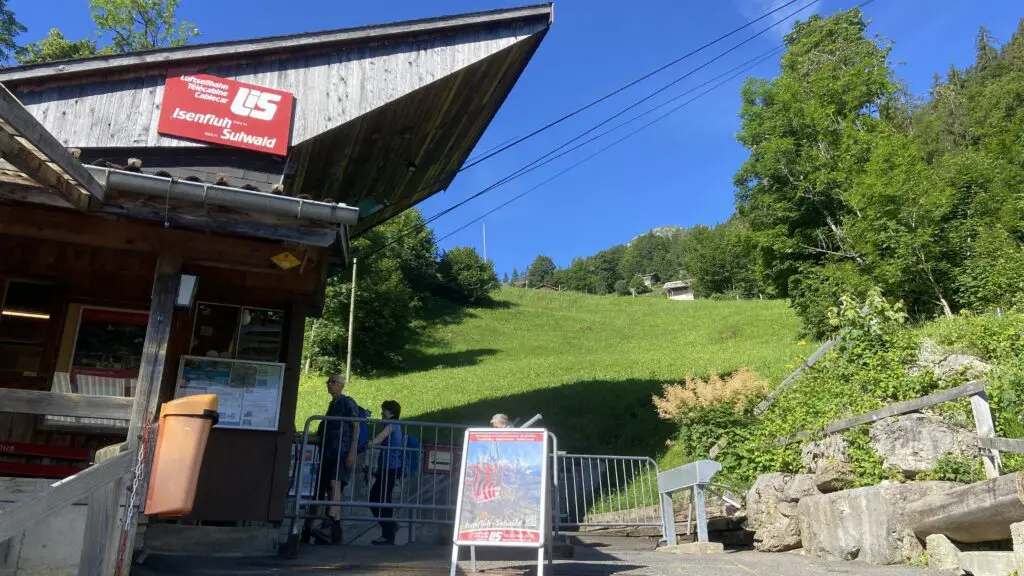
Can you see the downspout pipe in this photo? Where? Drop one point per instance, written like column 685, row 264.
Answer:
column 224, row 196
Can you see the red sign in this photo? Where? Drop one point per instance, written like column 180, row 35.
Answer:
column 222, row 111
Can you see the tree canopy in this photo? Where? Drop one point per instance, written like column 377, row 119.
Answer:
column 122, row 26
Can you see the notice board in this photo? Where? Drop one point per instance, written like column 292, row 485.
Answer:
column 248, row 393
column 503, row 496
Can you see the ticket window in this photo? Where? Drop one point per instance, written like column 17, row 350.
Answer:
column 100, row 355
column 237, row 333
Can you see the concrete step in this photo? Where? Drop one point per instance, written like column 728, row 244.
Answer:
column 988, row 563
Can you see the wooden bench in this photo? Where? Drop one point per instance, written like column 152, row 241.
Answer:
column 73, row 460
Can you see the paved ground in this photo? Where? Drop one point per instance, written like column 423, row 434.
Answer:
column 606, row 561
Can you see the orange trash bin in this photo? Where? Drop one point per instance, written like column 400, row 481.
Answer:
column 180, row 443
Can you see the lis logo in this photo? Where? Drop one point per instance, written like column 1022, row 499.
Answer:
column 255, row 104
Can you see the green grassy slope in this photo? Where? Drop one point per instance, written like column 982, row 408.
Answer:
column 589, row 364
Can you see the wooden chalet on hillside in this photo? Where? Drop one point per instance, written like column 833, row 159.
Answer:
column 242, row 166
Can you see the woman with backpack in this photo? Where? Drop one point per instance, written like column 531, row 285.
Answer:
column 389, row 469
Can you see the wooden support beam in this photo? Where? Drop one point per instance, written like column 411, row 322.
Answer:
column 969, row 389
column 27, row 145
column 1013, row 445
column 101, row 522
column 61, row 404
column 20, row 516
column 979, row 512
column 986, row 429
column 147, row 396
column 104, row 232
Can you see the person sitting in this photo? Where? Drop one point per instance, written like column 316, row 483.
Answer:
column 389, row 469
column 499, row 421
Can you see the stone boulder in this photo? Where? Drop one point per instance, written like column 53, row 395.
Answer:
column 827, row 451
column 867, row 524
column 768, row 490
column 772, row 510
column 802, row 486
column 833, row 477
column 969, row 367
column 933, row 358
column 914, row 443
column 779, row 530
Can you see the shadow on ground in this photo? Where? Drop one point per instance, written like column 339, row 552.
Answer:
column 591, row 416
column 438, row 312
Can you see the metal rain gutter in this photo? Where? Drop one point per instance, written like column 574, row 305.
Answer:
column 225, row 196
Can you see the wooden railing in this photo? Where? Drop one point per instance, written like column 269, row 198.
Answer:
column 975, row 390
column 114, row 467
column 771, row 398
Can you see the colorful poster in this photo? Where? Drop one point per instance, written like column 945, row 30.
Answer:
column 502, row 488
column 308, row 463
column 248, row 393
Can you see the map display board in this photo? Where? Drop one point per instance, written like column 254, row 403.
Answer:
column 503, row 496
column 248, row 393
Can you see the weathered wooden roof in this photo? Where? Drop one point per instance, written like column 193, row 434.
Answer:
column 384, row 116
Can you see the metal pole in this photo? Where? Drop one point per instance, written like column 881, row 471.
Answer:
column 485, row 241
column 702, row 517
column 351, row 321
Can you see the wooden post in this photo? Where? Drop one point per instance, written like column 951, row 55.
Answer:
column 101, row 523
column 147, row 391
column 986, row 429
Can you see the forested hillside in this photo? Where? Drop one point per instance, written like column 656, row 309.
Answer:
column 852, row 182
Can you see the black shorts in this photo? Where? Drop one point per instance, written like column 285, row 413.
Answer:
column 332, row 469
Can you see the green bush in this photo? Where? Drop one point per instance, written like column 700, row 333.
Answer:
column 955, row 468
column 866, row 371
column 466, row 277
column 998, row 340
column 816, row 290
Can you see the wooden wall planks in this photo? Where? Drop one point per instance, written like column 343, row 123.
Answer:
column 331, row 88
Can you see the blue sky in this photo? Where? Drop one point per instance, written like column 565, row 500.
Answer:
column 677, row 172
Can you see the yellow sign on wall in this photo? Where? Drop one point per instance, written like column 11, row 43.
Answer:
column 286, row 260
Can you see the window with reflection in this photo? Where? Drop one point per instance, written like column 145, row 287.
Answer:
column 237, row 333
column 105, row 360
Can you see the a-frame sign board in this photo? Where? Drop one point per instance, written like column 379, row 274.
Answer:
column 504, row 492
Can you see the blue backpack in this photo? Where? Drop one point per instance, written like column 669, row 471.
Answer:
column 364, row 428
column 413, row 452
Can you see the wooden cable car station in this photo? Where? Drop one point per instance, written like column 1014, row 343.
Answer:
column 168, row 220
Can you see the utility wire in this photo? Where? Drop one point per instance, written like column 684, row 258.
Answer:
column 546, row 158
column 533, row 165
column 509, row 144
column 624, row 138
column 609, row 146
column 514, row 141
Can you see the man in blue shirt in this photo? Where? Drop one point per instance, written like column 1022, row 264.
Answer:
column 338, row 442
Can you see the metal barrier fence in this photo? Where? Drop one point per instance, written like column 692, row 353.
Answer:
column 609, row 491
column 414, row 482
column 588, row 490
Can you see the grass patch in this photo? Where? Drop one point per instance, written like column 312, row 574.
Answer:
column 589, row 364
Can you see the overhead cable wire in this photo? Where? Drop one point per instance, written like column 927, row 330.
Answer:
column 509, row 144
column 609, row 146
